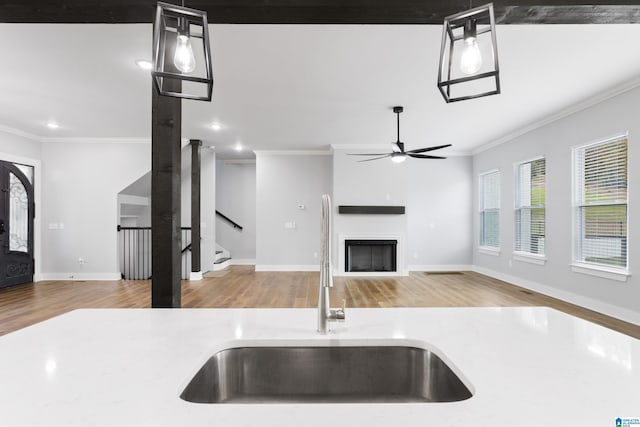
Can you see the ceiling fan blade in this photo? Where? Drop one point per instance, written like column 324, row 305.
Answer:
column 424, row 156
column 366, row 154
column 375, row 158
column 424, row 150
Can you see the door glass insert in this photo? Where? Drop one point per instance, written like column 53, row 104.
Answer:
column 26, row 170
column 18, row 215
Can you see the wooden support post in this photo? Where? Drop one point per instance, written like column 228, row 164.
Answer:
column 166, row 242
column 196, row 146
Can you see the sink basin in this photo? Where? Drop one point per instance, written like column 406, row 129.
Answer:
column 324, row 375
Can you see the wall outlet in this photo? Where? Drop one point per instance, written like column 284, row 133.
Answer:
column 315, row 254
column 81, row 261
column 510, row 263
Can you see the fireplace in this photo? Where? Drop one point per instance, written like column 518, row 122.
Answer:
column 370, row 255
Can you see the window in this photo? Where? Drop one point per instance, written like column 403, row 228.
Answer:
column 601, row 203
column 530, row 207
column 490, row 210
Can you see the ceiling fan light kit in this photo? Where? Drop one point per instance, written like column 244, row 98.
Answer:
column 181, row 53
column 398, row 154
column 468, row 66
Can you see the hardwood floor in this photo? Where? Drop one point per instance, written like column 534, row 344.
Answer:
column 242, row 287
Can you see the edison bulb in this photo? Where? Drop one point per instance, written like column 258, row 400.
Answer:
column 184, row 59
column 471, row 59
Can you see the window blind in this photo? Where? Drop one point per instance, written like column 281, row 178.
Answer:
column 490, row 209
column 601, row 203
column 530, row 207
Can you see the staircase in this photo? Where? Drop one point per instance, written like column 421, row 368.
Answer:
column 222, row 259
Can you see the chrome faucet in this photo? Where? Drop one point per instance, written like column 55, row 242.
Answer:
column 325, row 313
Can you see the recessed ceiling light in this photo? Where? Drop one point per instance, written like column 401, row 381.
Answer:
column 145, row 65
column 216, row 126
column 53, row 125
column 238, row 147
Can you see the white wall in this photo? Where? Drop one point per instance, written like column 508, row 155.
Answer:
column 236, row 198
column 81, row 182
column 439, row 214
column 379, row 182
column 283, row 182
column 608, row 118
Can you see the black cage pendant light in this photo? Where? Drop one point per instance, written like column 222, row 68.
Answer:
column 181, row 54
column 469, row 56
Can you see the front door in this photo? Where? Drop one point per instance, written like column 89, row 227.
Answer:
column 16, row 224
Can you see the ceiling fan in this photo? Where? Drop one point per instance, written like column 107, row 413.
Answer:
column 398, row 154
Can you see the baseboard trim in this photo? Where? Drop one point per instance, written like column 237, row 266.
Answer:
column 79, row 276
column 401, row 273
column 195, row 275
column 611, row 310
column 441, row 267
column 246, row 261
column 287, row 267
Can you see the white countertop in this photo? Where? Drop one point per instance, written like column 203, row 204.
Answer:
column 127, row 367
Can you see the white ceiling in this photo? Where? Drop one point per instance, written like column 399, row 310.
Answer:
column 304, row 87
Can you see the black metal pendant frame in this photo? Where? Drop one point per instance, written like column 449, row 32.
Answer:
column 452, row 23
column 170, row 19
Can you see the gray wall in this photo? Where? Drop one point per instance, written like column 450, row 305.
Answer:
column 608, row 118
column 283, row 182
column 236, row 198
column 81, row 182
column 439, row 214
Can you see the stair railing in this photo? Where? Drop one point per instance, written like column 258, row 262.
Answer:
column 134, row 249
column 229, row 220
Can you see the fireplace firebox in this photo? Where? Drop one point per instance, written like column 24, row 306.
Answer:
column 370, row 255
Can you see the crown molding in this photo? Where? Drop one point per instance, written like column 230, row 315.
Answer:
column 583, row 105
column 76, row 139
column 293, row 152
column 18, row 132
column 93, row 140
column 239, row 162
column 360, row 147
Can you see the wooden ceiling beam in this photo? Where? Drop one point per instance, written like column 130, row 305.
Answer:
column 321, row 11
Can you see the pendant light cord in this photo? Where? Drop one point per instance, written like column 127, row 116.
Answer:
column 398, row 120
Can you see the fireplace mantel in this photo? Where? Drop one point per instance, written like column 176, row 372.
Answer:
column 371, row 210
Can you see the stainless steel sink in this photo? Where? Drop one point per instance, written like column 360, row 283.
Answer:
column 324, row 375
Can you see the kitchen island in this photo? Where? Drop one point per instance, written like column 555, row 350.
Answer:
column 526, row 366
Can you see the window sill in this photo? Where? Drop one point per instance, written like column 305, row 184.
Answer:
column 604, row 272
column 530, row 258
column 488, row 250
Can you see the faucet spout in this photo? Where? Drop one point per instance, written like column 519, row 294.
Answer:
column 325, row 313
